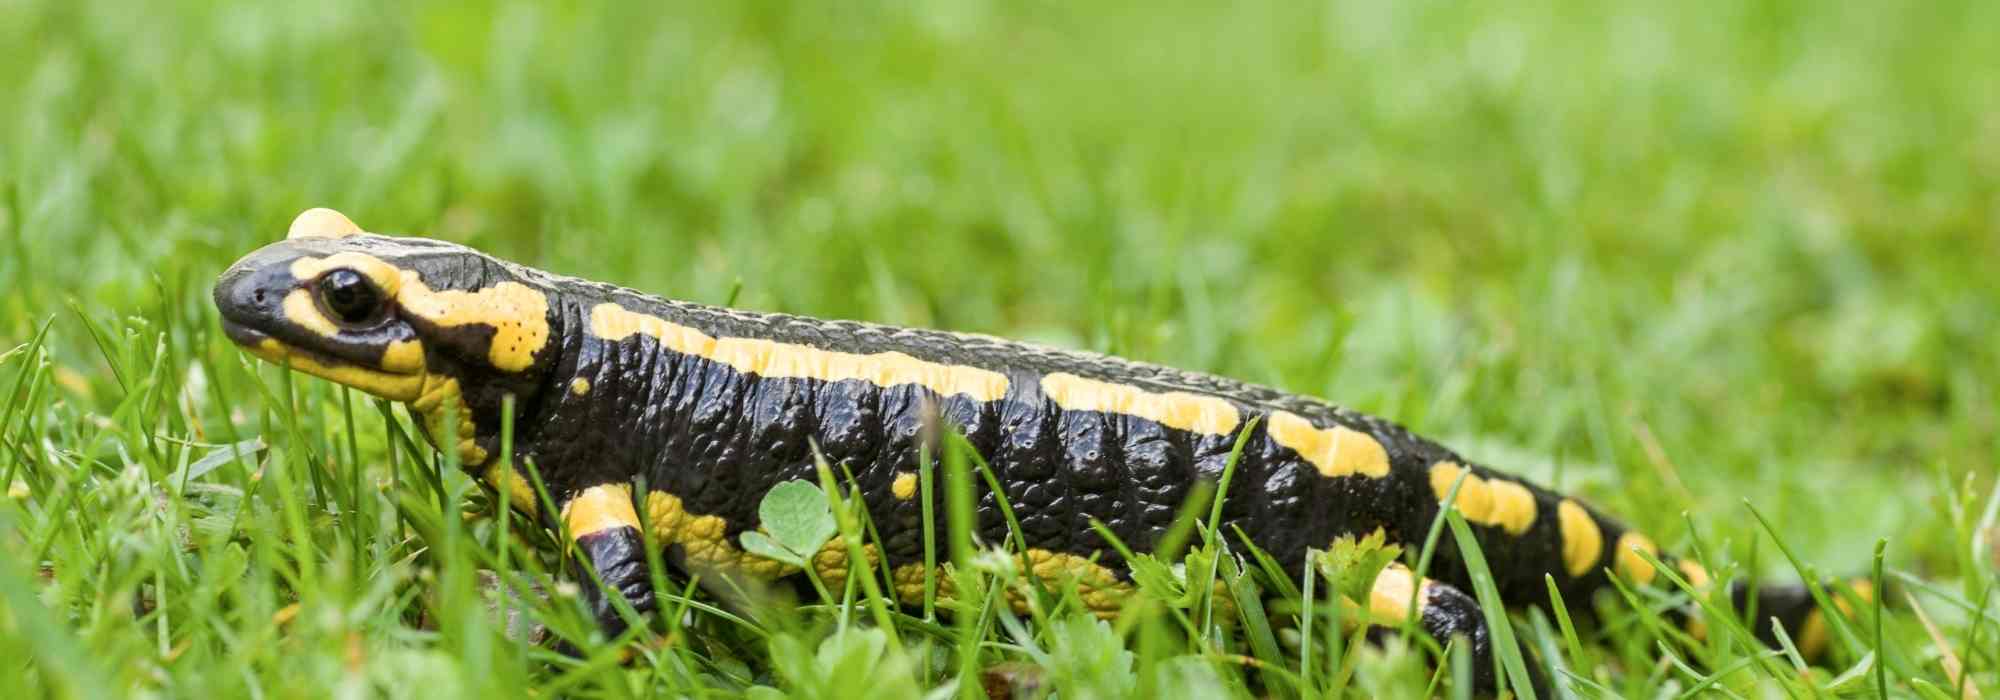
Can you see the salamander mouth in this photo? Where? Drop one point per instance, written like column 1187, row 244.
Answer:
column 269, row 348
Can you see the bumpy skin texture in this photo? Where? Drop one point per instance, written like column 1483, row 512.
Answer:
column 618, row 556
column 711, row 407
column 720, row 438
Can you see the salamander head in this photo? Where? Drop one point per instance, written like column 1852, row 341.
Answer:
column 439, row 326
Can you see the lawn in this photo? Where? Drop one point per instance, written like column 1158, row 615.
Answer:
column 1699, row 263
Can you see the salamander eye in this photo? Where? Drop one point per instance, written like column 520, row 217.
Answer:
column 349, row 296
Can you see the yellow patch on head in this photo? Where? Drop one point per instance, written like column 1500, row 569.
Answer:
column 302, row 312
column 768, row 358
column 1627, row 559
column 600, row 508
column 1196, row 413
column 517, row 313
column 1582, row 541
column 1335, row 451
column 579, row 386
column 404, row 357
column 905, row 486
column 320, row 222
column 386, row 277
column 395, row 387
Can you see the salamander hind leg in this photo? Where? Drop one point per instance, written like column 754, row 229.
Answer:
column 1792, row 607
column 605, row 528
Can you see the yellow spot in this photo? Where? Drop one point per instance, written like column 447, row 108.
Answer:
column 1196, row 413
column 1582, row 542
column 905, row 486
column 1496, row 502
column 72, row 380
column 439, row 400
column 285, row 615
column 1513, row 506
column 1696, row 576
column 1389, row 597
column 1629, row 563
column 703, row 543
column 302, row 312
column 404, row 357
column 768, row 358
column 1863, row 589
column 1473, row 500
column 395, row 387
column 830, row 562
column 909, row 583
column 520, row 494
column 517, row 313
column 1096, row 586
column 600, row 508
column 18, row 490
column 1814, row 635
column 321, row 223
column 1336, row 451
column 579, row 386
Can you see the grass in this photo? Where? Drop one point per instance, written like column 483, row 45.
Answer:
column 1674, row 259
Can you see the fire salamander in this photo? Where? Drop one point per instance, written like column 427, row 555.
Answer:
column 710, row 407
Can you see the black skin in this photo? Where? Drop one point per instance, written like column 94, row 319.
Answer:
column 617, row 557
column 719, row 438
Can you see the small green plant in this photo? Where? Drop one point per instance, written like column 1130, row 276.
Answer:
column 1352, row 565
column 795, row 523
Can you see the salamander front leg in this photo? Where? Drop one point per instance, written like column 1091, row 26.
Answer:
column 1444, row 612
column 606, row 528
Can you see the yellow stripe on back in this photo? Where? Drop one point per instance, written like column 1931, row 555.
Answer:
column 1335, row 451
column 1196, row 413
column 1629, row 563
column 1582, row 541
column 769, row 358
column 1496, row 502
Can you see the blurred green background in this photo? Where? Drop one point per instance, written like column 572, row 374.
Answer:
column 1672, row 256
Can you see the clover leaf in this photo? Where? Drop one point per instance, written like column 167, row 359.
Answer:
column 795, row 522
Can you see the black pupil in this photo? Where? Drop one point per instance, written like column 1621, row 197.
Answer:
column 348, row 295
